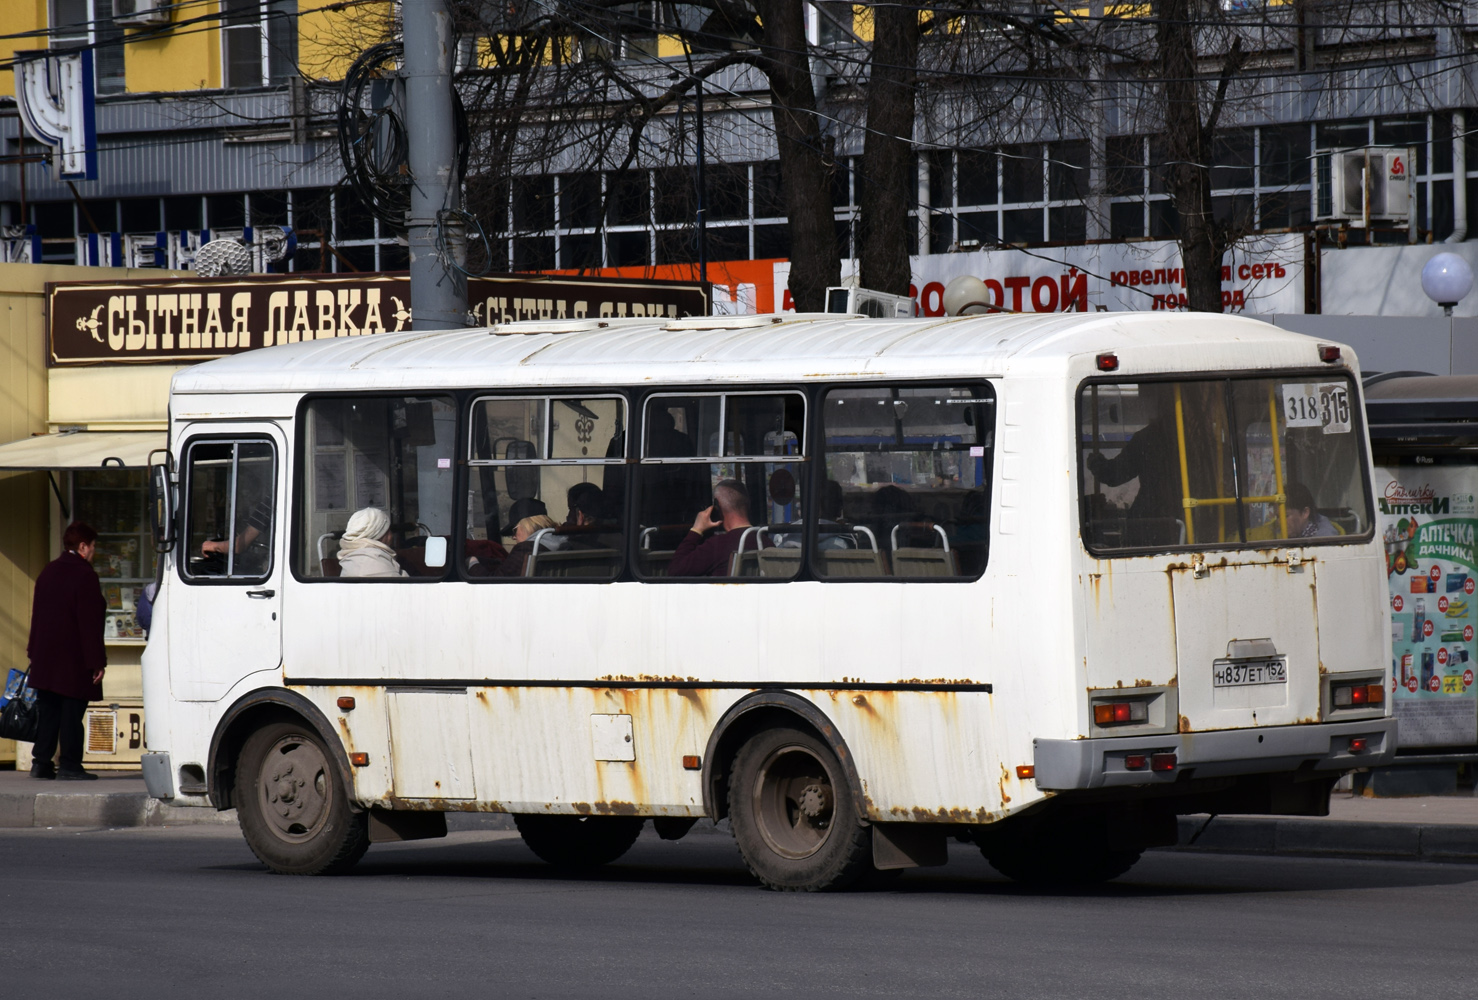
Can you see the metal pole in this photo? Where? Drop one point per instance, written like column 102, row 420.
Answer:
column 436, row 236
column 702, row 196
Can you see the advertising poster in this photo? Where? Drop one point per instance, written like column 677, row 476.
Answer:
column 1428, row 521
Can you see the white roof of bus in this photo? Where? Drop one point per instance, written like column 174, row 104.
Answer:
column 796, row 348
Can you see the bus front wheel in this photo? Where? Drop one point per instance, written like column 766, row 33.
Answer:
column 578, row 841
column 794, row 815
column 292, row 805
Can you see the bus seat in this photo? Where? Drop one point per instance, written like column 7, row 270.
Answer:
column 521, row 481
column 601, row 563
column 745, row 564
column 778, row 563
column 924, row 562
column 654, row 562
column 330, row 566
column 852, row 562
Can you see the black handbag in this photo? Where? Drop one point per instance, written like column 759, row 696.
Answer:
column 19, row 717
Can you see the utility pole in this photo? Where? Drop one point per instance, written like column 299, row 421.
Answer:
column 434, row 228
column 702, row 196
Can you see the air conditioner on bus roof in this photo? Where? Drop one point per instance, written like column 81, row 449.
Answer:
column 143, row 12
column 1363, row 185
column 866, row 302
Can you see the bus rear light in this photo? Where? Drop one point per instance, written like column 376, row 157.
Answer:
column 1117, row 713
column 1162, row 762
column 1328, row 353
column 1358, row 695
column 1136, row 762
column 1357, row 744
column 359, row 759
column 1108, row 362
column 1026, row 770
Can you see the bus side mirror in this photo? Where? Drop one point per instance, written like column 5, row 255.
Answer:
column 161, row 505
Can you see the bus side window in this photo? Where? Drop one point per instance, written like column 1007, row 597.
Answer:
column 384, row 467
column 229, row 520
column 907, row 470
column 546, row 496
column 738, row 457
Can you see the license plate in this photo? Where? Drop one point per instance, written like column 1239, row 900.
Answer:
column 1245, row 673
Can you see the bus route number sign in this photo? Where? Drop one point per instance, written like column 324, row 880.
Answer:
column 1317, row 404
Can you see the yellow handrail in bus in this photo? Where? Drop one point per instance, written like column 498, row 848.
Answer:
column 1282, row 498
column 1189, row 503
column 1186, row 500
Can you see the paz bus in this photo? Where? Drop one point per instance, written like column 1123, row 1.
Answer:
column 858, row 586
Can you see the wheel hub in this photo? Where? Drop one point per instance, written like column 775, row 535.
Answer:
column 814, row 801
column 294, row 789
column 794, row 802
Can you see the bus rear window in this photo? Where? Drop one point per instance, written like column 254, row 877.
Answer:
column 1220, row 462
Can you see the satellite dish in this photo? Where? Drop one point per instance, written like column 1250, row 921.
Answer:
column 222, row 258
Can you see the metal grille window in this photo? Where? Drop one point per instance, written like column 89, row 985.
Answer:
column 548, row 486
column 259, row 41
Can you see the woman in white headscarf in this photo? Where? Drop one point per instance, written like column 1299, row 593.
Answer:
column 364, row 549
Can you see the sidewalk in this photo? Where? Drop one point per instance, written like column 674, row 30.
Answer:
column 1426, row 829
column 1429, row 828
column 117, row 798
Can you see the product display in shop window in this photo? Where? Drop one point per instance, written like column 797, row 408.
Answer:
column 115, row 501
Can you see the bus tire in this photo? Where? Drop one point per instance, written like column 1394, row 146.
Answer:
column 794, row 816
column 292, row 804
column 578, row 841
column 1057, row 856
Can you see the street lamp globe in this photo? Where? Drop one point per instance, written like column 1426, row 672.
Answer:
column 1446, row 279
column 966, row 295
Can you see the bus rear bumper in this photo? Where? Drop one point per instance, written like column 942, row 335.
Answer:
column 1062, row 765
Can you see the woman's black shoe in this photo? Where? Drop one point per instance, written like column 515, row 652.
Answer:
column 45, row 772
column 65, row 775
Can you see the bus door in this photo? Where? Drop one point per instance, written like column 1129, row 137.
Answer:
column 1240, row 490
column 225, row 622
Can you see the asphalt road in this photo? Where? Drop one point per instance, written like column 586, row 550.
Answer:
column 190, row 913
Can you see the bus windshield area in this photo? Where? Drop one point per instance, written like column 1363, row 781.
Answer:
column 1221, row 462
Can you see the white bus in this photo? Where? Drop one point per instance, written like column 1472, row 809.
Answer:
column 856, row 585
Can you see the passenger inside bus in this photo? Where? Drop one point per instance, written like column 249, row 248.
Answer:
column 1304, row 519
column 1150, row 456
column 365, row 550
column 523, row 537
column 703, row 553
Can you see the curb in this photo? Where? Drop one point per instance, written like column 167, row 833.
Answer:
column 1328, row 838
column 102, row 809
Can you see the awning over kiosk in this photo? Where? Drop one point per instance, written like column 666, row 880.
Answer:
column 81, row 450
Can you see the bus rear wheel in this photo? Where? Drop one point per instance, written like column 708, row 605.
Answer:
column 578, row 841
column 794, row 815
column 292, row 805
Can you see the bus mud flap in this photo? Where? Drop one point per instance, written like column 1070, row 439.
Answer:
column 392, row 824
column 908, row 845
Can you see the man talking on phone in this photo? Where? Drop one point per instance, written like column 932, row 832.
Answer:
column 703, row 554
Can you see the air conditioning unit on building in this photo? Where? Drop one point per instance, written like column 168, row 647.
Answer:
column 879, row 305
column 1371, row 184
column 142, row 12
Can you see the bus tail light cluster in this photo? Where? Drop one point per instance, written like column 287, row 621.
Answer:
column 1149, row 761
column 1118, row 713
column 1356, row 695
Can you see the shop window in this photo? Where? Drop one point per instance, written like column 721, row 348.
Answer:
column 769, row 196
column 1285, row 155
column 1022, row 225
column 114, row 502
column 230, row 489
column 905, row 488
column 225, row 211
column 392, row 454
column 547, row 493
column 579, row 250
column 737, row 456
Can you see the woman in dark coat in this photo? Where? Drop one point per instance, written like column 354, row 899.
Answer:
column 66, row 651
